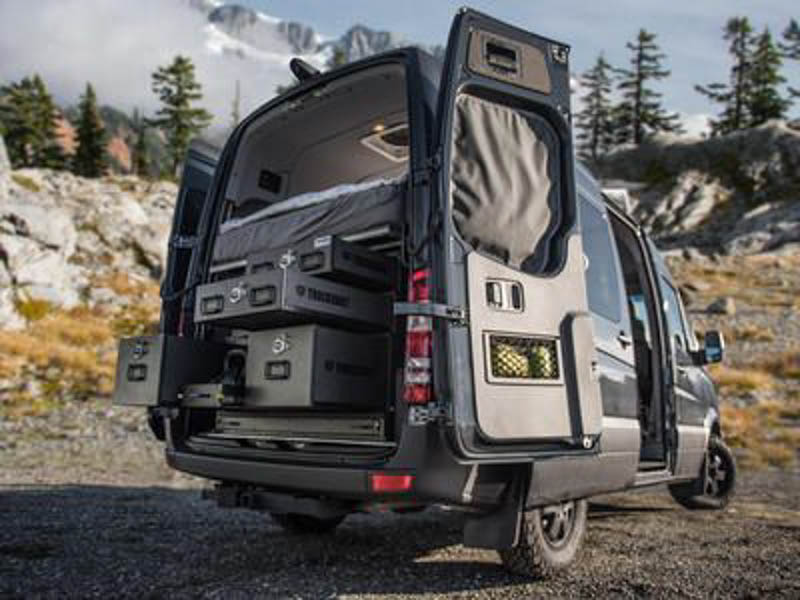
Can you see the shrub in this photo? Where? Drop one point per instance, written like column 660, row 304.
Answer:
column 32, row 309
column 25, row 182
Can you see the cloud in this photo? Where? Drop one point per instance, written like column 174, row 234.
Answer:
column 116, row 45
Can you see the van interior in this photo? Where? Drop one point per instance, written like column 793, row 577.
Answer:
column 332, row 163
column 354, row 130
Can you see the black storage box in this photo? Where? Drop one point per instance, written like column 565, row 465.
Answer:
column 312, row 366
column 151, row 370
column 289, row 297
column 334, row 259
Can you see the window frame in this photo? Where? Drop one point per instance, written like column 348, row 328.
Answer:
column 621, row 309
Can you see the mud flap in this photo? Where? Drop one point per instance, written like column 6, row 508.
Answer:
column 499, row 529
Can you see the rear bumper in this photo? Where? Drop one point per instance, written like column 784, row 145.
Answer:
column 328, row 481
column 437, row 476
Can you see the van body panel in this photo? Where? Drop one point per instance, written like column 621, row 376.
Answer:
column 527, row 408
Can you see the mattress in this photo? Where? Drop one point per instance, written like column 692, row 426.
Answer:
column 340, row 210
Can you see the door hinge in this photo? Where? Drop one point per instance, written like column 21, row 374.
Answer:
column 457, row 314
column 424, row 175
column 183, row 241
column 429, row 413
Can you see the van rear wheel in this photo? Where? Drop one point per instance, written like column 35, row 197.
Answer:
column 306, row 524
column 714, row 489
column 549, row 539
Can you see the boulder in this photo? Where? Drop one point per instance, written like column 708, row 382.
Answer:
column 724, row 305
column 735, row 194
column 65, row 239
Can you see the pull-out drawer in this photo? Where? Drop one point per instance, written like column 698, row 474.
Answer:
column 152, row 369
column 287, row 297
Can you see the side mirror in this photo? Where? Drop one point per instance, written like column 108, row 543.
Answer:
column 713, row 347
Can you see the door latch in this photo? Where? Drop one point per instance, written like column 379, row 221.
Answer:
column 422, row 415
column 448, row 312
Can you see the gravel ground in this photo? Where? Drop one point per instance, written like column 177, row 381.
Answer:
column 96, row 513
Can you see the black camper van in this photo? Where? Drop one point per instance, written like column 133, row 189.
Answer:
column 395, row 287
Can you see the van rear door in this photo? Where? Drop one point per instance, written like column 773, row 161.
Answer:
column 521, row 372
column 196, row 177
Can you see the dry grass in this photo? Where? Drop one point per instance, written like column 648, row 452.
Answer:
column 758, row 281
column 761, row 432
column 67, row 355
column 785, row 365
column 738, row 381
column 752, row 333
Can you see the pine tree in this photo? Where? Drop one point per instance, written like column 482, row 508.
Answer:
column 338, row 58
column 765, row 101
column 17, row 114
column 140, row 159
column 91, row 158
column 596, row 121
column 178, row 118
column 29, row 122
column 641, row 105
column 47, row 153
column 790, row 48
column 734, row 96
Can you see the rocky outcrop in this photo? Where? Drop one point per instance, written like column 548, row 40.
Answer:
column 733, row 194
column 261, row 31
column 359, row 42
column 62, row 237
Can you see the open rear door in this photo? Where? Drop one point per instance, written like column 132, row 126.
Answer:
column 521, row 372
column 196, row 177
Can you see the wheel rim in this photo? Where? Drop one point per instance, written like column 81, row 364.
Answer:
column 558, row 521
column 718, row 474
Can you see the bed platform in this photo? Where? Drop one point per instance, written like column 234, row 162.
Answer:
column 371, row 213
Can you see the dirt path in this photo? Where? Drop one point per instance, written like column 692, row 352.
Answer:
column 105, row 518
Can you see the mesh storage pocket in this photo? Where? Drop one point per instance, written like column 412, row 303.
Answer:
column 523, row 358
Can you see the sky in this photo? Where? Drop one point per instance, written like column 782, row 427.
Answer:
column 116, row 44
column 689, row 31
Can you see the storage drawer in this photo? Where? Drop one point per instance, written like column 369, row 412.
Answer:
column 287, row 297
column 152, row 369
column 332, row 258
column 312, row 366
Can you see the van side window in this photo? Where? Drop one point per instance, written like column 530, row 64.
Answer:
column 672, row 311
column 602, row 283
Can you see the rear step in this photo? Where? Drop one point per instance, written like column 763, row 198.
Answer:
column 297, row 439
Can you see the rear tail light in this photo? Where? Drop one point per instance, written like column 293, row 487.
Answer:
column 418, row 384
column 386, row 483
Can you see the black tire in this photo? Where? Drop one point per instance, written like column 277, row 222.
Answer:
column 714, row 490
column 549, row 540
column 306, row 524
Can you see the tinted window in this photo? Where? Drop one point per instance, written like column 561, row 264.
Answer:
column 672, row 311
column 602, row 282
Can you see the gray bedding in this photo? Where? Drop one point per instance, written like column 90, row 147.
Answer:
column 356, row 209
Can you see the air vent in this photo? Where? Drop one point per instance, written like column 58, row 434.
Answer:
column 267, row 180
